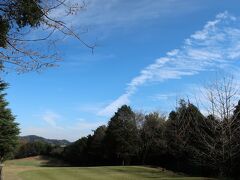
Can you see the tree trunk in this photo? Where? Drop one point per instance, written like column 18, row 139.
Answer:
column 1, row 171
column 123, row 164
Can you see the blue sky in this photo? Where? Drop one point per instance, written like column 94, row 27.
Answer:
column 149, row 54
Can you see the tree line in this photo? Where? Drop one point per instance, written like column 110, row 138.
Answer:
column 29, row 149
column 186, row 140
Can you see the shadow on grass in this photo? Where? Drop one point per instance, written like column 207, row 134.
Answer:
column 52, row 162
column 145, row 172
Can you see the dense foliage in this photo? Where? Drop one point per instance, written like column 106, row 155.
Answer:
column 8, row 127
column 28, row 149
column 186, row 141
column 39, row 146
column 18, row 14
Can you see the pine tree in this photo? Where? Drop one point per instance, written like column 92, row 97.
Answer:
column 8, row 128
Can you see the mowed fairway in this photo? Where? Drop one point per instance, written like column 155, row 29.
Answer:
column 38, row 168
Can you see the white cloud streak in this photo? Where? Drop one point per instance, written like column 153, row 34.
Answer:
column 158, row 97
column 109, row 14
column 120, row 12
column 216, row 46
column 51, row 118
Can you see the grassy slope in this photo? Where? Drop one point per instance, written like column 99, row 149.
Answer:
column 35, row 169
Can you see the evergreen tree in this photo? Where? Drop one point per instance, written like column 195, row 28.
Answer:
column 96, row 147
column 76, row 153
column 122, row 136
column 152, row 139
column 8, row 127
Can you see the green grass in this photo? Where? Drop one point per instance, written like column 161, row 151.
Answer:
column 33, row 169
column 24, row 162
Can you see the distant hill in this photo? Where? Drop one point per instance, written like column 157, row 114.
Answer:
column 34, row 138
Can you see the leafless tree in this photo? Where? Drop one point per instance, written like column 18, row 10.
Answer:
column 34, row 47
column 222, row 95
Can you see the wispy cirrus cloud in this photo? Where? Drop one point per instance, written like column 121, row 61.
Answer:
column 166, row 96
column 51, row 118
column 216, row 46
column 120, row 13
column 85, row 126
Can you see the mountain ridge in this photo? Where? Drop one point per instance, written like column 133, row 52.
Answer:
column 34, row 138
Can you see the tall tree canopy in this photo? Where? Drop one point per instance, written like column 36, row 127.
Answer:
column 122, row 135
column 8, row 127
column 152, row 137
column 96, row 147
column 186, row 135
